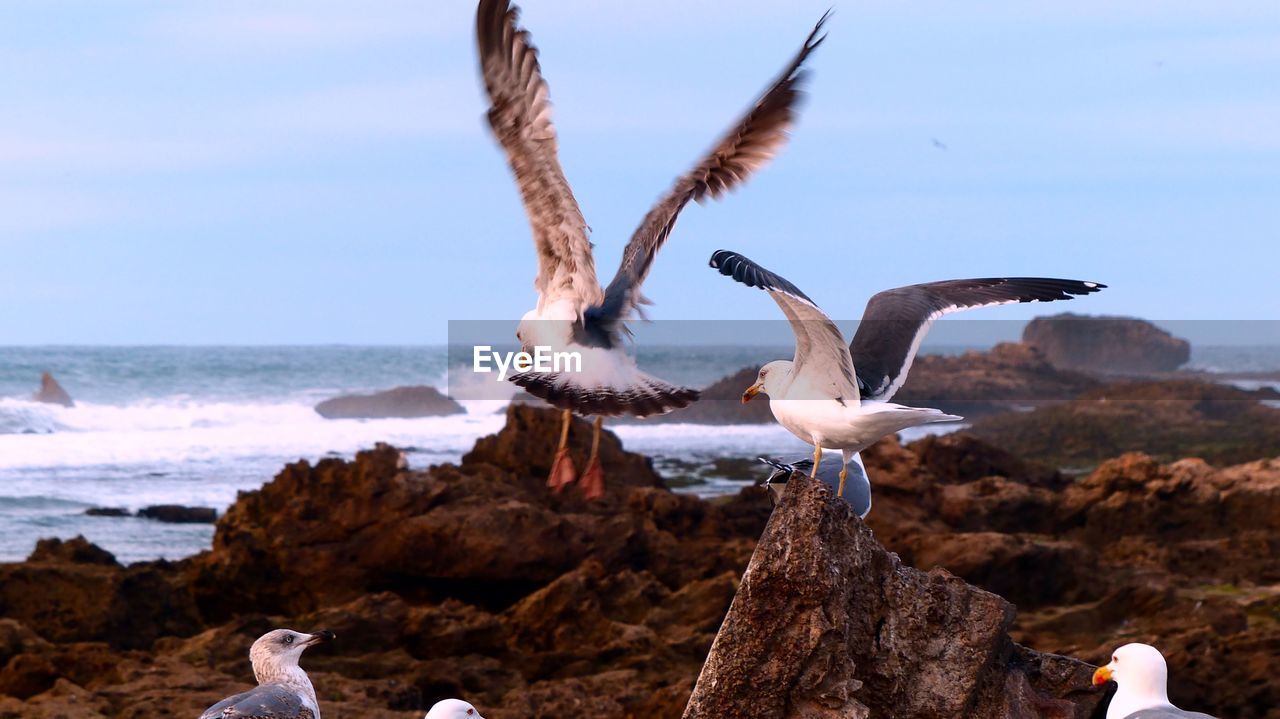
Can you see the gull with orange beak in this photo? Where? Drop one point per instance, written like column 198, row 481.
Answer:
column 1141, row 678
column 820, row 397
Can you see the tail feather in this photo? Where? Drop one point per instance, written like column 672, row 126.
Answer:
column 643, row 397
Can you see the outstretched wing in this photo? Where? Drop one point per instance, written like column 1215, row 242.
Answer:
column 821, row 355
column 520, row 115
column 752, row 142
column 896, row 320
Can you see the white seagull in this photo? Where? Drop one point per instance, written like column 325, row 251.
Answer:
column 284, row 691
column 574, row 313
column 453, row 709
column 1141, row 678
column 820, row 398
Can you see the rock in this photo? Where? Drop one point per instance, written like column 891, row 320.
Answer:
column 76, row 550
column 178, row 514
column 1110, row 345
column 107, row 512
column 1008, row 377
column 74, row 595
column 719, row 403
column 401, row 402
column 1170, row 419
column 827, row 623
column 51, row 392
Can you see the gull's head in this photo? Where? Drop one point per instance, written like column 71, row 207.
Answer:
column 453, row 709
column 1139, row 671
column 770, row 380
column 280, row 649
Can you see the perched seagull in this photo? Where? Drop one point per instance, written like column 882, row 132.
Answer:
column 819, row 397
column 574, row 314
column 284, row 691
column 453, row 709
column 859, row 486
column 1141, row 678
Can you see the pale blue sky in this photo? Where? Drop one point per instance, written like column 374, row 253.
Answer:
column 298, row 172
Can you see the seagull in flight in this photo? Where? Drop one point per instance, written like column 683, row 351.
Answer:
column 574, row 313
column 821, row 398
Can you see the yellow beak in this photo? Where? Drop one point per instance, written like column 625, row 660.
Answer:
column 752, row 391
column 1102, row 676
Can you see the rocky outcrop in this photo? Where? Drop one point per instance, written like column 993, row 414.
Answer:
column 1115, row 345
column 1169, row 419
column 179, row 514
column 51, row 392
column 827, row 623
column 719, row 403
column 1009, row 376
column 401, row 402
column 474, row 580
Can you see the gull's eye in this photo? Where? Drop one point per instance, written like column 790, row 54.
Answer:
column 288, row 639
column 470, row 712
column 1114, row 658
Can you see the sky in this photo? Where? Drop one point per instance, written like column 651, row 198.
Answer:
column 270, row 172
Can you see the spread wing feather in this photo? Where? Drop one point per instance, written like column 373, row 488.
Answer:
column 822, row 358
column 747, row 147
column 896, row 321
column 520, row 116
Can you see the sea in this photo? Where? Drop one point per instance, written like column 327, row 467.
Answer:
column 195, row 425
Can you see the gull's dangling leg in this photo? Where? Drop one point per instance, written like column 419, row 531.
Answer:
column 593, row 476
column 562, row 466
column 844, row 470
column 817, row 460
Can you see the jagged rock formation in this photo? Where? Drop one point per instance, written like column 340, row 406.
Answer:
column 401, row 402
column 1006, row 377
column 719, row 403
column 1168, row 419
column 1123, row 345
column 424, row 577
column 828, row 623
column 51, row 392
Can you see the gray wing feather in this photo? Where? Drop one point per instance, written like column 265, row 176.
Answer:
column 895, row 321
column 744, row 149
column 520, row 115
column 268, row 701
column 821, row 354
column 1167, row 713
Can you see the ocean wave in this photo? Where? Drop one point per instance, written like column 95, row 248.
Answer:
column 19, row 416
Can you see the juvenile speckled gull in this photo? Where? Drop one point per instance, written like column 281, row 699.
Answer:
column 1142, row 685
column 284, row 690
column 574, row 313
column 820, row 398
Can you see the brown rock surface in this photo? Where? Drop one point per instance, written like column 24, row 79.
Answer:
column 51, row 392
column 719, row 403
column 475, row 581
column 1006, row 377
column 416, row 401
column 1169, row 419
column 828, row 623
column 1120, row 345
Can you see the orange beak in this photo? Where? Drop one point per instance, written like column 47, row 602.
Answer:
column 1102, row 676
column 752, row 391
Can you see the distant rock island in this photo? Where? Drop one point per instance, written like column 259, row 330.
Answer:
column 51, row 392
column 1112, row 345
column 400, row 402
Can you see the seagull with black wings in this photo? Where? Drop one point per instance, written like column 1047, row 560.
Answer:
column 574, row 314
column 836, row 396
